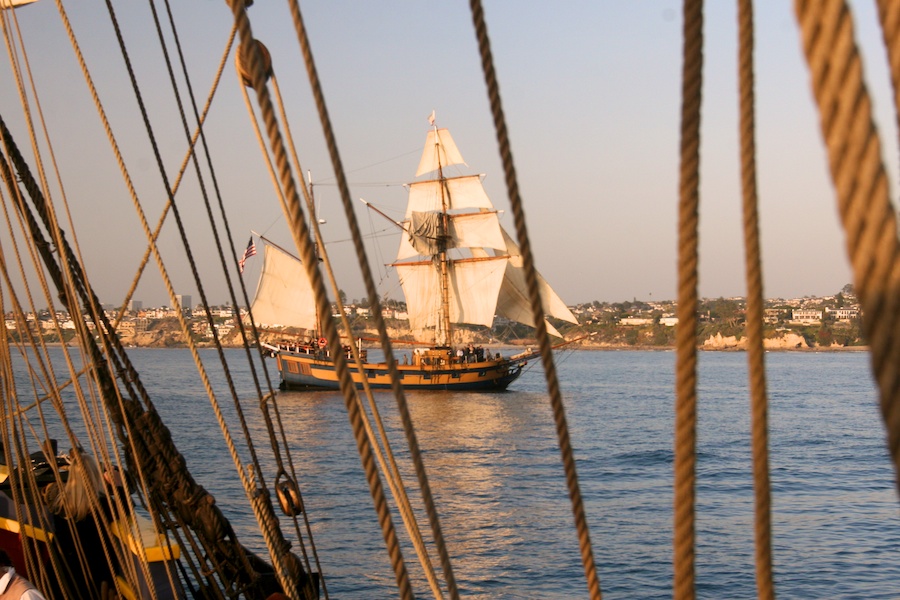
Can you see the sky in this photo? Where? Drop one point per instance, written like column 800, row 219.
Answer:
column 591, row 94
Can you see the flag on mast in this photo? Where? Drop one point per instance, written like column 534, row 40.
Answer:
column 431, row 118
column 250, row 251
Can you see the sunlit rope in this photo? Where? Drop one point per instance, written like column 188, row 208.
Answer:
column 260, row 502
column 562, row 431
column 161, row 266
column 301, row 235
column 277, row 546
column 392, row 474
column 372, row 292
column 753, row 267
column 178, row 178
column 92, row 423
column 685, row 336
column 47, row 209
column 889, row 16
column 385, row 456
column 845, row 113
column 65, row 254
column 280, row 195
column 23, row 217
column 17, row 452
column 50, row 213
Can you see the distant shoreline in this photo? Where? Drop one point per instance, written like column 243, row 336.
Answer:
column 578, row 348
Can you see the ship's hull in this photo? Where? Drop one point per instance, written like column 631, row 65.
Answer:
column 300, row 371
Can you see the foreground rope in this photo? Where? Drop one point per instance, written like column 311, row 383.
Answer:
column 754, row 329
column 686, row 333
column 889, row 16
column 302, row 240
column 515, row 201
column 373, row 296
column 845, row 113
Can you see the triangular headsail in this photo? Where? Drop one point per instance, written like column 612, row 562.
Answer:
column 284, row 295
column 513, row 302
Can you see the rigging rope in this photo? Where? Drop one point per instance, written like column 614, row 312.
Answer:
column 845, row 113
column 562, row 431
column 36, row 241
column 685, row 335
column 303, row 242
column 372, row 293
column 388, row 464
column 754, row 328
column 278, row 547
column 889, row 16
column 168, row 283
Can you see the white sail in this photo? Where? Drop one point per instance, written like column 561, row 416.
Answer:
column 440, row 151
column 513, row 302
column 456, row 213
column 455, row 192
column 14, row 3
column 284, row 295
column 470, row 230
column 473, row 285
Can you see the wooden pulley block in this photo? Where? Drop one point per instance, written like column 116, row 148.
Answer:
column 242, row 62
column 289, row 496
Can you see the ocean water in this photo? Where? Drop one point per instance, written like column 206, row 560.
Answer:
column 496, row 474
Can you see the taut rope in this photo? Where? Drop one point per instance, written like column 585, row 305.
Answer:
column 854, row 157
column 754, row 328
column 515, row 201
column 686, row 334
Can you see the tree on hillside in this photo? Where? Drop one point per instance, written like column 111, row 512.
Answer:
column 825, row 335
column 727, row 311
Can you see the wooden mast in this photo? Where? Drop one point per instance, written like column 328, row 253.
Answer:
column 317, row 236
column 444, row 315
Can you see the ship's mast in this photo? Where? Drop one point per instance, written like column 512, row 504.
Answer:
column 443, row 336
column 317, row 236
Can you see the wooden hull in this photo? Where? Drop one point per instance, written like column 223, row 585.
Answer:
column 300, row 371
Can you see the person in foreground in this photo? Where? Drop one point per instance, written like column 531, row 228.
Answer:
column 12, row 585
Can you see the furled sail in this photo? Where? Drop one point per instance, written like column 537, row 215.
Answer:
column 470, row 230
column 440, row 151
column 513, row 302
column 473, row 284
column 284, row 295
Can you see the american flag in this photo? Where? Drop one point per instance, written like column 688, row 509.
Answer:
column 250, row 251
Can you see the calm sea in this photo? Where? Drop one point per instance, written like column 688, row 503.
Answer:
column 495, row 471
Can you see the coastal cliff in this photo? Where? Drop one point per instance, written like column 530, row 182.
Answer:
column 167, row 334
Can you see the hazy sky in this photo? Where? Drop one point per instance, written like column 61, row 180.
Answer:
column 591, row 92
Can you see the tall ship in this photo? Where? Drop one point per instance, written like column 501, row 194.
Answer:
column 456, row 265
